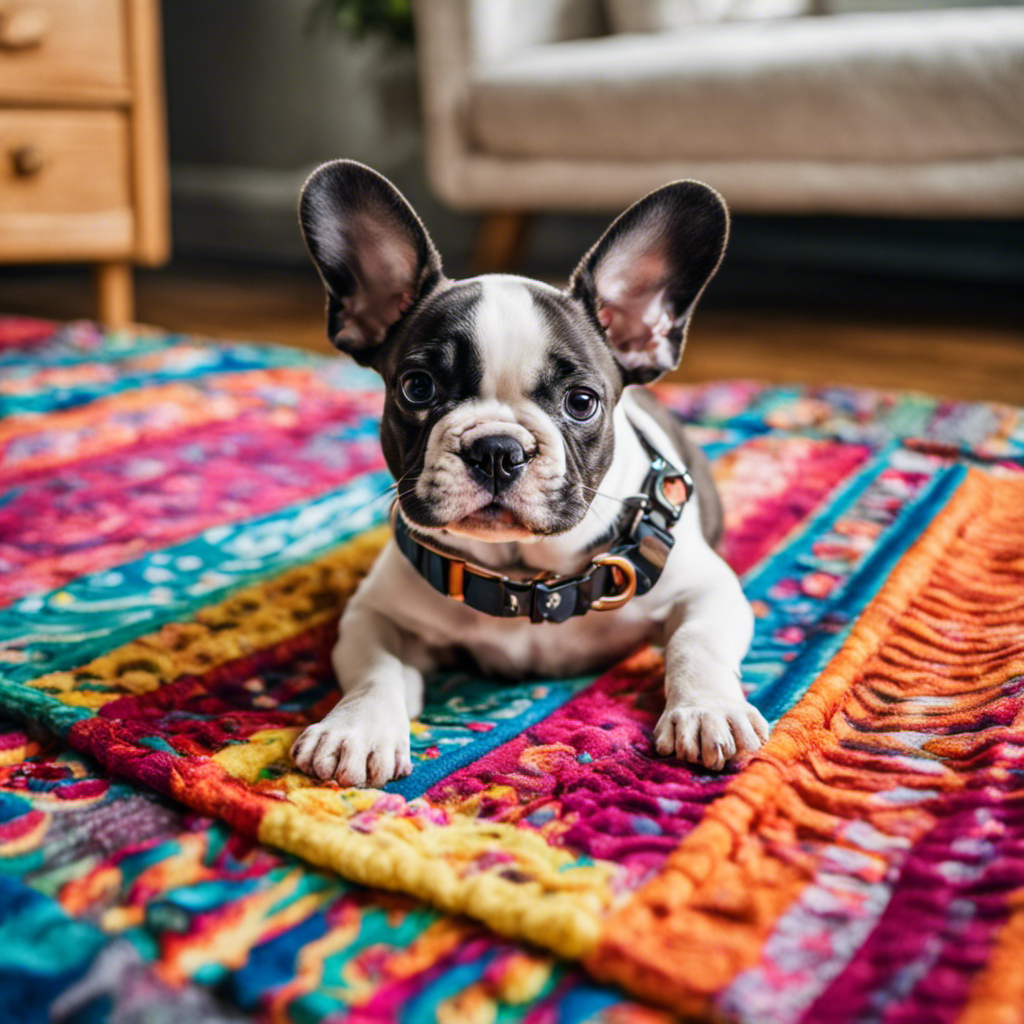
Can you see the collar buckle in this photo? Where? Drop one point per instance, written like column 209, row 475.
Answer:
column 555, row 598
column 610, row 602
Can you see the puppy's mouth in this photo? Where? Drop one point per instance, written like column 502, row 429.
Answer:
column 494, row 522
column 493, row 515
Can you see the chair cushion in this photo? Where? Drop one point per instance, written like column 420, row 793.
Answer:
column 679, row 15
column 904, row 86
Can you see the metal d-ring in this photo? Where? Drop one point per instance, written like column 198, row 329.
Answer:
column 612, row 601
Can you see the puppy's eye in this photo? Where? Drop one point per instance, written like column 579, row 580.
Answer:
column 581, row 403
column 417, row 387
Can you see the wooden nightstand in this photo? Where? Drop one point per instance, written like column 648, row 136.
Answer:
column 83, row 162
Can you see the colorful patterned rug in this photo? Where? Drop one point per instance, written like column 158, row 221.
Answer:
column 180, row 525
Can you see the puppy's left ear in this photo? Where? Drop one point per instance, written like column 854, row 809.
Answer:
column 644, row 276
column 373, row 253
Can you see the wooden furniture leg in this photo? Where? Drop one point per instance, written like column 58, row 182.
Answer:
column 500, row 241
column 115, row 300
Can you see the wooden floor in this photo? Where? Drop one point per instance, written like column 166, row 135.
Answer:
column 955, row 359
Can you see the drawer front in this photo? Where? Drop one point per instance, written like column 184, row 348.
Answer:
column 65, row 189
column 63, row 51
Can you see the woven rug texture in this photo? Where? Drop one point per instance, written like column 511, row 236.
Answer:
column 181, row 523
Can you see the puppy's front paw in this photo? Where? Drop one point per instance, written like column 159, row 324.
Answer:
column 710, row 733
column 359, row 744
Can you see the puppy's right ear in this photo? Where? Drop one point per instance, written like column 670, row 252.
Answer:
column 373, row 253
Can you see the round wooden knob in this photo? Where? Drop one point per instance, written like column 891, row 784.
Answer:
column 23, row 28
column 26, row 161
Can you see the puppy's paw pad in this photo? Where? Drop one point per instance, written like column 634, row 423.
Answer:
column 710, row 735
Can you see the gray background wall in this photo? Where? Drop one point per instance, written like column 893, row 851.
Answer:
column 257, row 97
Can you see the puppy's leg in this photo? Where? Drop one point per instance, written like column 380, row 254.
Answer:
column 707, row 719
column 364, row 739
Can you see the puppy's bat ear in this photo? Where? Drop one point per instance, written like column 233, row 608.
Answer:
column 372, row 251
column 644, row 276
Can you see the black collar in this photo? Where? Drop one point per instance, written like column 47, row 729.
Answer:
column 632, row 566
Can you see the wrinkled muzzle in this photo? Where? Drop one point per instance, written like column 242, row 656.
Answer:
column 491, row 474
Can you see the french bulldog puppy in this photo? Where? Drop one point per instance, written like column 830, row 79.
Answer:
column 514, row 426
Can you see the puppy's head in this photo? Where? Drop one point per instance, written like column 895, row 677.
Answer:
column 500, row 390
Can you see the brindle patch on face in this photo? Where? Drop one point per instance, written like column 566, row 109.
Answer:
column 577, row 356
column 436, row 337
column 502, row 352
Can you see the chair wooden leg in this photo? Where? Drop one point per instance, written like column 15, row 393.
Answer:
column 115, row 294
column 500, row 241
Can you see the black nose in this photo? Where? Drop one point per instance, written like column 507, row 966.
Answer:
column 495, row 461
